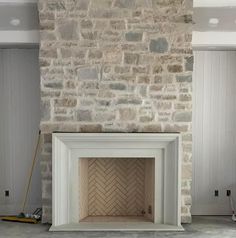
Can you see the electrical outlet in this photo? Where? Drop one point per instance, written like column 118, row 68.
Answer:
column 216, row 193
column 228, row 193
column 150, row 209
column 7, row 193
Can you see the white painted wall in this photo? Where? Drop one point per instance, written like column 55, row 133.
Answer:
column 214, row 131
column 19, row 123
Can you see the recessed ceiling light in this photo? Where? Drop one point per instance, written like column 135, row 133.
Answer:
column 15, row 22
column 213, row 22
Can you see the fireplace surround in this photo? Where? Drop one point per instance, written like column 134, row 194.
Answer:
column 116, row 66
column 116, row 181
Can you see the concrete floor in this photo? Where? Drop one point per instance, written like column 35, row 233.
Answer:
column 202, row 227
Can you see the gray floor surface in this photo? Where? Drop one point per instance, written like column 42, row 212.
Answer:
column 202, row 226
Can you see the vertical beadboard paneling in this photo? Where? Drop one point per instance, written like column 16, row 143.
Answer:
column 19, row 123
column 214, row 131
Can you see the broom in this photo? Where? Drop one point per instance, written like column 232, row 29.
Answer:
column 22, row 217
column 232, row 208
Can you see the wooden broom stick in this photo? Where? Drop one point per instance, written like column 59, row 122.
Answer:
column 31, row 171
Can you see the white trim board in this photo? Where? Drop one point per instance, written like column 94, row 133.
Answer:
column 214, row 3
column 12, row 210
column 214, row 40
column 68, row 148
column 19, row 37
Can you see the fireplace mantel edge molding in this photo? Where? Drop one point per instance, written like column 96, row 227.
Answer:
column 69, row 147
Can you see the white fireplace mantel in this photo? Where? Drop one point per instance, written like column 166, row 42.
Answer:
column 68, row 148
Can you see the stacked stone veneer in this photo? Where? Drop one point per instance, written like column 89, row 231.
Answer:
column 116, row 66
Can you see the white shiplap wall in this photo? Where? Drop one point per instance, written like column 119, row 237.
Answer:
column 214, row 131
column 19, row 123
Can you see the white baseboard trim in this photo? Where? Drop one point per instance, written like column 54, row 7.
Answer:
column 211, row 210
column 11, row 210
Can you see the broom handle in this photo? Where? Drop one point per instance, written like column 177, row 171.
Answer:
column 31, row 172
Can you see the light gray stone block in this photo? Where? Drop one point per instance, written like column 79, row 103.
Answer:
column 68, row 30
column 184, row 78
column 133, row 36
column 183, row 117
column 88, row 73
column 159, row 46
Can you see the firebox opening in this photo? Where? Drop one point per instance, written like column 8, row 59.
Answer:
column 116, row 189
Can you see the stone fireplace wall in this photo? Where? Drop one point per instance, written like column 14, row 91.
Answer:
column 116, row 66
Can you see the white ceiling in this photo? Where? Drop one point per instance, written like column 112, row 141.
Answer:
column 226, row 16
column 221, row 36
column 204, row 35
column 26, row 13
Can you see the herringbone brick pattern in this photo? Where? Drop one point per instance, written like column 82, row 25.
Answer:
column 116, row 187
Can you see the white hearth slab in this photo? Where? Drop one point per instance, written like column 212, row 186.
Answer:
column 117, row 226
